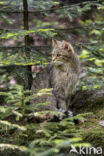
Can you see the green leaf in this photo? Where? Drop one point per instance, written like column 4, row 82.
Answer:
column 85, row 54
column 99, row 62
column 13, row 147
column 6, row 123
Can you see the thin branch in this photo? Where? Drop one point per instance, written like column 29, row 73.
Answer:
column 47, row 46
column 9, row 47
column 60, row 29
column 52, row 9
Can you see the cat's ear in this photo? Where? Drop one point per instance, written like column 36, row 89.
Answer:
column 55, row 42
column 68, row 46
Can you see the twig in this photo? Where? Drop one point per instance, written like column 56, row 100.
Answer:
column 52, row 9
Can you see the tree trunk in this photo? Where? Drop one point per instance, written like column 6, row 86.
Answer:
column 27, row 43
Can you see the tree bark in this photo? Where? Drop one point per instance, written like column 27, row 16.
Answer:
column 27, row 43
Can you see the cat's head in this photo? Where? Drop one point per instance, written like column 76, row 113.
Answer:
column 62, row 52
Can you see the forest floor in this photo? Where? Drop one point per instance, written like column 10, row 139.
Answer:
column 92, row 128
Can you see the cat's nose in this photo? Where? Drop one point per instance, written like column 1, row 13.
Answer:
column 53, row 59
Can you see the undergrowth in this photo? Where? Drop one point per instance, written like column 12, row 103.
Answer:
column 26, row 131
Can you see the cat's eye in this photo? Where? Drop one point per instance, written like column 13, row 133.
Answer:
column 55, row 55
column 58, row 54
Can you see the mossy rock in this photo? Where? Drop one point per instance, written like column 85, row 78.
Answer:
column 92, row 132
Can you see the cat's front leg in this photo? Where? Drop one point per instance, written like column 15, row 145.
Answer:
column 61, row 104
column 68, row 102
column 63, row 108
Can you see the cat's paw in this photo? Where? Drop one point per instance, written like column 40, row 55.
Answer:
column 64, row 114
column 69, row 113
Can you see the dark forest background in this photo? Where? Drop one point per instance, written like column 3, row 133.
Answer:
column 26, row 31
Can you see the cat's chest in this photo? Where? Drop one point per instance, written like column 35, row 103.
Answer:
column 61, row 78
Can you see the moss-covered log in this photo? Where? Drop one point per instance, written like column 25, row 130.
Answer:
column 85, row 101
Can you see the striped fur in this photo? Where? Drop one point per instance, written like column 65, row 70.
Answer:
column 62, row 75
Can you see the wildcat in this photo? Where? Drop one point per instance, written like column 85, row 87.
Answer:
column 62, row 75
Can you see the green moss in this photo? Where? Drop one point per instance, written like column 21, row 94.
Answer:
column 91, row 131
column 94, row 105
column 100, row 114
